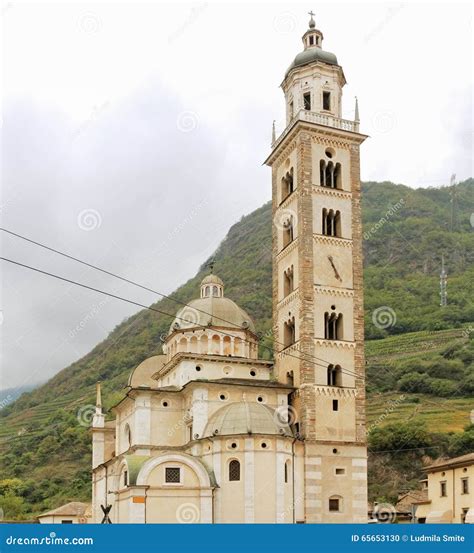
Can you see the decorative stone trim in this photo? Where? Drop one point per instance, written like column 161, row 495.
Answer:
column 288, row 299
column 322, row 239
column 332, row 291
column 287, row 250
column 335, row 391
column 334, row 343
column 293, row 197
column 324, row 190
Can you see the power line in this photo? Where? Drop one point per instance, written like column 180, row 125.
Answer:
column 64, row 279
column 129, row 281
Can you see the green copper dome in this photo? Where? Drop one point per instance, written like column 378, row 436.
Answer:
column 311, row 55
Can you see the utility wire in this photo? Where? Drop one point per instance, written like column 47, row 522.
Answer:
column 64, row 279
column 124, row 279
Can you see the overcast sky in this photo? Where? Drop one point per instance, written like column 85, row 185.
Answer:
column 134, row 135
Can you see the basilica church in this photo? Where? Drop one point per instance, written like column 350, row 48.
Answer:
column 209, row 433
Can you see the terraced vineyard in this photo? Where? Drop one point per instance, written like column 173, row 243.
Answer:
column 412, row 344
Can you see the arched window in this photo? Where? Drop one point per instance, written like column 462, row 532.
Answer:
column 330, row 174
column 288, row 281
column 289, row 332
column 127, row 436
column 208, row 291
column 193, row 344
column 331, row 222
column 337, row 176
column 234, row 471
column 215, row 291
column 322, row 173
column 288, row 231
column 203, row 344
column 334, row 375
column 216, row 345
column 333, row 326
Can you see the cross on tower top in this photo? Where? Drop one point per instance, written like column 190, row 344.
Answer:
column 312, row 24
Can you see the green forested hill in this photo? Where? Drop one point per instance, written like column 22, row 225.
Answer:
column 424, row 354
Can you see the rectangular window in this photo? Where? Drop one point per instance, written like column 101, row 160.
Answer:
column 334, row 505
column 465, row 485
column 326, row 100
column 307, row 101
column 125, row 478
column 340, row 471
column 463, row 516
column 172, row 475
column 66, row 522
column 335, row 405
column 443, row 489
column 291, row 110
column 311, row 40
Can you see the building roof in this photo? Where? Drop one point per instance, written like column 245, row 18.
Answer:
column 462, row 460
column 311, row 55
column 212, row 311
column 406, row 500
column 247, row 418
column 75, row 508
column 142, row 374
column 212, row 279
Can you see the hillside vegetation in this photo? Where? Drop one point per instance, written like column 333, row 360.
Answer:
column 420, row 355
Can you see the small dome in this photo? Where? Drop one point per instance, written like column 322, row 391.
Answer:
column 212, row 279
column 246, row 418
column 311, row 55
column 212, row 311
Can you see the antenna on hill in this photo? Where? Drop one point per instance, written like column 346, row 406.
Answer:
column 443, row 281
column 454, row 194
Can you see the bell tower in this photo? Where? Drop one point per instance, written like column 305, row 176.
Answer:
column 318, row 318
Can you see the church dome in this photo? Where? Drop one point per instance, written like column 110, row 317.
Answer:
column 311, row 55
column 212, row 309
column 212, row 279
column 246, row 418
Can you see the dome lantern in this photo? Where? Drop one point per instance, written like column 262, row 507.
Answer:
column 313, row 37
column 212, row 287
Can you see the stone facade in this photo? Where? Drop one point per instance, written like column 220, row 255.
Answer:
column 330, row 416
column 208, row 432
